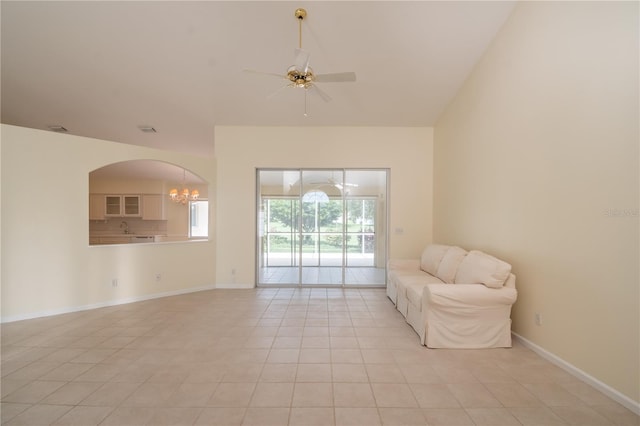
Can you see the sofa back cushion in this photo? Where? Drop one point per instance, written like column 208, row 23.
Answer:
column 449, row 264
column 481, row 268
column 431, row 258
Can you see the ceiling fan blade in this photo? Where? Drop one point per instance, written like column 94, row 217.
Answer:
column 325, row 97
column 264, row 73
column 302, row 60
column 338, row 77
column 278, row 91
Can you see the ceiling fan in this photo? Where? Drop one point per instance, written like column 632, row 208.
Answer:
column 340, row 185
column 301, row 75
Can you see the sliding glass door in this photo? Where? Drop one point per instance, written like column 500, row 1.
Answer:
column 321, row 227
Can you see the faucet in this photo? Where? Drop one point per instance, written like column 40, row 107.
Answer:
column 124, row 225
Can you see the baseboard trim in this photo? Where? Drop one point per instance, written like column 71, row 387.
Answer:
column 239, row 286
column 587, row 378
column 104, row 304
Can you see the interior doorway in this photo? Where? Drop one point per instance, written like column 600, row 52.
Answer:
column 321, row 227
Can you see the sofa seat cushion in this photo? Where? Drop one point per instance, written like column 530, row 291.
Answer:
column 464, row 299
column 431, row 257
column 449, row 264
column 399, row 274
column 480, row 268
column 414, row 286
column 399, row 277
column 406, row 264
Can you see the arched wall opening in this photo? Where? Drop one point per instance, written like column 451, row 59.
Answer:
column 146, row 201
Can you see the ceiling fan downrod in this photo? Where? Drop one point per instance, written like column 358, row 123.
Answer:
column 300, row 14
column 301, row 75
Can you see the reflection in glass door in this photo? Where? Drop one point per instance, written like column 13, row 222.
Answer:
column 321, row 227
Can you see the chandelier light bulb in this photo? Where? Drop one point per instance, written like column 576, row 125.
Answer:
column 183, row 195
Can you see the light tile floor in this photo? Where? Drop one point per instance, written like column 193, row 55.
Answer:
column 325, row 276
column 275, row 357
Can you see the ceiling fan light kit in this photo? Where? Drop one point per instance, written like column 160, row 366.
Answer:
column 301, row 75
column 303, row 80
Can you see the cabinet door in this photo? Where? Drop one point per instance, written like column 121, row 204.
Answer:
column 96, row 207
column 113, row 205
column 153, row 207
column 131, row 205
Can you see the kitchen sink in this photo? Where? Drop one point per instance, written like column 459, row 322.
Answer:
column 142, row 239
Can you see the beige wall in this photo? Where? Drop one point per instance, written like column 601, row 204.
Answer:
column 47, row 265
column 536, row 161
column 407, row 152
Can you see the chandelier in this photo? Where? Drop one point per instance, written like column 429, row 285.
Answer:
column 183, row 195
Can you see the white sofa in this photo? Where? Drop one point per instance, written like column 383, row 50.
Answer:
column 453, row 298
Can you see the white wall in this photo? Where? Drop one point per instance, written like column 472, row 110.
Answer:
column 47, row 264
column 536, row 161
column 407, row 152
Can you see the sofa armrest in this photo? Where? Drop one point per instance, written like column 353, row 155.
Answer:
column 466, row 316
column 464, row 296
column 403, row 264
column 511, row 281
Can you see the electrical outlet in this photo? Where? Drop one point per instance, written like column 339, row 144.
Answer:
column 158, row 277
column 538, row 317
column 114, row 282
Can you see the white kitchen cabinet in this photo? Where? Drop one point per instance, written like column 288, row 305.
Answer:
column 131, row 205
column 113, row 205
column 96, row 207
column 154, row 207
column 122, row 205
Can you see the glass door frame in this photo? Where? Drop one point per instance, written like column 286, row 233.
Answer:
column 296, row 244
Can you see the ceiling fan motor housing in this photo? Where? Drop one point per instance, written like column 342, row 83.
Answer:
column 300, row 79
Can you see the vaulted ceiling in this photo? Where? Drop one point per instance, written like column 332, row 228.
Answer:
column 104, row 69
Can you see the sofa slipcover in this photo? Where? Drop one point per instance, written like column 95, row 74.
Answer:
column 465, row 304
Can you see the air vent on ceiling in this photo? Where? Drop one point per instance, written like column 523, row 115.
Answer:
column 147, row 129
column 57, row 128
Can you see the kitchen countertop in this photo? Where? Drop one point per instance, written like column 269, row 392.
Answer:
column 98, row 239
column 98, row 235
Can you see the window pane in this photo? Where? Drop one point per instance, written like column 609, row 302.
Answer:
column 199, row 218
column 281, row 216
column 330, row 216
